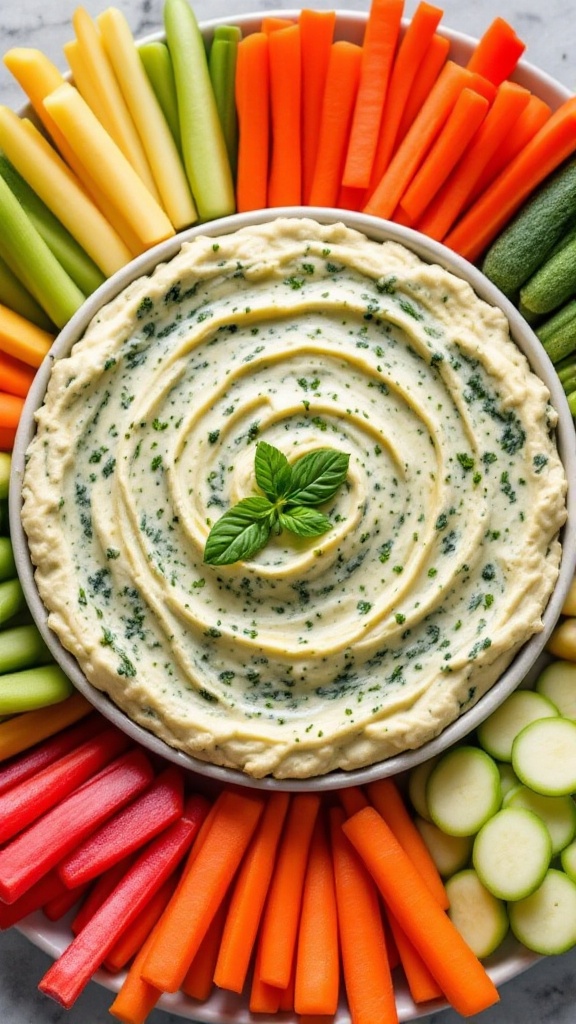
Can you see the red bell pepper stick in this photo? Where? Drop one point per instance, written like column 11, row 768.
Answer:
column 27, row 801
column 67, row 977
column 98, row 893
column 152, row 812
column 44, row 843
column 57, row 906
column 48, row 887
column 25, row 765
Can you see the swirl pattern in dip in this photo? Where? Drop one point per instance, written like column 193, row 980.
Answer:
column 334, row 652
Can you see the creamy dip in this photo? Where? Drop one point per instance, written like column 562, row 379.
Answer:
column 333, row 652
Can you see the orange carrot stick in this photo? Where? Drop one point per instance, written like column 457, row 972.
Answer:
column 461, row 976
column 253, row 106
column 204, row 885
column 21, row 339
column 367, row 977
column 497, row 52
column 199, row 979
column 248, row 897
column 351, row 198
column 337, row 109
column 287, row 997
column 15, row 375
column 378, row 52
column 282, row 913
column 388, row 801
column 352, row 799
column 263, row 998
column 317, row 980
column 285, row 175
column 273, row 24
column 7, row 438
column 544, row 153
column 528, row 124
column 10, row 409
column 316, row 34
column 428, row 72
column 136, row 998
column 465, row 118
column 423, row 987
column 133, row 937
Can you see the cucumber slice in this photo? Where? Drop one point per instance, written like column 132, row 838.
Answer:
column 449, row 853
column 558, row 683
column 568, row 860
column 557, row 812
column 512, row 853
column 417, row 782
column 497, row 733
column 508, row 779
column 479, row 916
column 463, row 791
column 544, row 756
column 545, row 921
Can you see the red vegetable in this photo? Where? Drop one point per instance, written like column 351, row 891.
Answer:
column 47, row 888
column 24, row 766
column 98, row 893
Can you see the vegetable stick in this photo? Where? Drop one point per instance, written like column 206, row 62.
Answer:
column 457, row 970
column 411, row 53
column 11, row 593
column 199, row 979
column 43, row 754
column 421, row 984
column 83, row 81
column 157, row 63
column 462, row 124
column 5, row 468
column 98, row 893
column 430, row 67
column 57, row 906
column 263, row 998
column 157, row 140
column 497, row 52
column 222, row 66
column 317, row 979
column 203, row 887
column 48, row 887
column 7, row 572
column 337, row 111
column 351, row 198
column 10, row 408
column 7, row 438
column 253, row 104
column 274, row 24
column 110, row 169
column 316, row 35
column 132, row 938
column 287, row 996
column 352, row 799
column 16, row 297
column 16, row 376
column 528, row 124
column 24, row 731
column 23, row 340
column 543, row 154
column 285, row 174
column 248, row 897
column 136, row 998
column 378, row 52
column 282, row 912
column 369, row 988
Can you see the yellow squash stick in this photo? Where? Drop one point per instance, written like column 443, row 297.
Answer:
column 23, row 731
column 83, row 81
column 148, row 117
column 22, row 339
column 45, row 171
column 118, row 122
column 112, row 172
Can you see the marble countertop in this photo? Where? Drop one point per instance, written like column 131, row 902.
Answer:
column 547, row 991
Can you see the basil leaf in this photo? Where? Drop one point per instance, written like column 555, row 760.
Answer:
column 273, row 472
column 317, row 476
column 240, row 532
column 305, row 522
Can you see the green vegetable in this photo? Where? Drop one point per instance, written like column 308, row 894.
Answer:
column 22, row 647
column 11, row 599
column 157, row 62
column 553, row 283
column 222, row 66
column 5, row 465
column 7, row 563
column 33, row 688
column 546, row 920
column 558, row 333
column 14, row 295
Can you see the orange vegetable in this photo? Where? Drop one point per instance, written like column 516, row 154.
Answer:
column 15, row 375
column 248, row 897
column 199, row 979
column 341, row 88
column 273, row 24
column 543, row 154
column 528, row 124
column 7, row 438
column 316, row 34
column 136, row 998
column 10, row 409
column 351, row 198
column 352, row 799
column 133, row 938
column 428, row 72
column 367, row 977
column 378, row 52
column 23, row 731
column 204, row 885
column 264, row 998
column 285, row 174
column 497, row 52
column 317, row 980
column 422, row 985
column 21, row 339
column 457, row 970
column 253, row 107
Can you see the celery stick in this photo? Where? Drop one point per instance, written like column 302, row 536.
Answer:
column 11, row 599
column 65, row 248
column 231, row 32
column 14, row 295
column 157, row 63
column 33, row 688
column 572, row 402
column 203, row 144
column 28, row 256
column 222, row 64
column 5, row 466
column 7, row 563
column 22, row 647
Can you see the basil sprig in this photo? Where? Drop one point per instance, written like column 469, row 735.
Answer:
column 289, row 496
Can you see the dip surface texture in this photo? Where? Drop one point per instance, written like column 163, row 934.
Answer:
column 323, row 653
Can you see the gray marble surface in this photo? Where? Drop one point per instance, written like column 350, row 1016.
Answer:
column 547, row 991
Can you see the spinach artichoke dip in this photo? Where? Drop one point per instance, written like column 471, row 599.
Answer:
column 317, row 653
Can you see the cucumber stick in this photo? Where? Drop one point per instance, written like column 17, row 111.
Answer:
column 157, row 63
column 558, row 333
column 222, row 66
column 553, row 283
column 22, row 647
column 33, row 688
column 14, row 295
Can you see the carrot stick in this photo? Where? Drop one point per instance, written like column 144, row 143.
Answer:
column 378, row 52
column 337, row 110
column 10, row 408
column 24, row 731
column 199, row 978
column 285, row 175
column 422, row 985
column 287, row 997
column 352, row 800
column 194, row 904
column 543, row 154
column 16, row 376
column 133, row 937
column 497, row 52
column 282, row 913
column 457, row 970
column 316, row 35
column 466, row 117
column 253, row 106
column 385, row 796
column 21, row 339
column 414, row 147
column 248, row 897
column 136, row 998
column 454, row 195
column 411, row 53
column 317, row 980
column 428, row 72
column 528, row 124
column 369, row 988
column 7, row 438
column 263, row 998
column 351, row 198
column 273, row 24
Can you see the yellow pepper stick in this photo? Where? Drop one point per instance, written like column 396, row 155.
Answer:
column 45, row 171
column 23, row 731
column 118, row 122
column 112, row 172
column 147, row 115
column 83, row 81
column 22, row 339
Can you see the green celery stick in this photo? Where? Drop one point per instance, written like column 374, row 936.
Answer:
column 572, row 402
column 222, row 64
column 66, row 249
column 33, row 688
column 14, row 295
column 28, row 256
column 7, row 563
column 22, row 647
column 11, row 599
column 157, row 63
column 5, row 467
column 203, row 144
column 230, row 32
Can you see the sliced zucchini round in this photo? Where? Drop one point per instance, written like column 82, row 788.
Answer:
column 512, row 853
column 545, row 921
column 544, row 756
column 497, row 733
column 463, row 790
column 479, row 916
